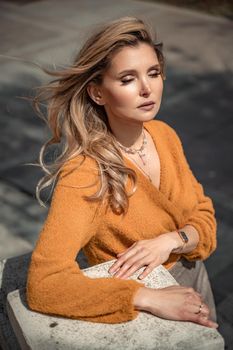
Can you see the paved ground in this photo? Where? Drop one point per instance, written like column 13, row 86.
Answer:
column 197, row 103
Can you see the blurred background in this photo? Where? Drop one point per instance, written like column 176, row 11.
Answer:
column 197, row 102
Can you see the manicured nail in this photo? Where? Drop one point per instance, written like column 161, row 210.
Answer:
column 214, row 325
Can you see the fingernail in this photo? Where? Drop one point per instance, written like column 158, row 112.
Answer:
column 214, row 325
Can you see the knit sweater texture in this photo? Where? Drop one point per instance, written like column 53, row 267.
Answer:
column 56, row 284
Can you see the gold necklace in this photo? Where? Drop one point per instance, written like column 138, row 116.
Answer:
column 140, row 151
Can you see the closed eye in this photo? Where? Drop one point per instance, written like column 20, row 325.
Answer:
column 153, row 75
column 126, row 81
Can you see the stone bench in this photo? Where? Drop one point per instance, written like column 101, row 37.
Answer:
column 13, row 274
column 39, row 332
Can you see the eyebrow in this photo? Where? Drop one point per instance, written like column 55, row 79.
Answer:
column 155, row 66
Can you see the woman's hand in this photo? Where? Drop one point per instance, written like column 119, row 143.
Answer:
column 174, row 303
column 149, row 252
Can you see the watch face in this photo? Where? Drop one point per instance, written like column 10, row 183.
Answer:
column 184, row 236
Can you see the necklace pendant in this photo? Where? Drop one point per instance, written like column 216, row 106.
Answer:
column 142, row 159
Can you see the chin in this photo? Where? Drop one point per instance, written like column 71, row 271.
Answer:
column 147, row 118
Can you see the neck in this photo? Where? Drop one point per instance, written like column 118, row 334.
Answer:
column 128, row 134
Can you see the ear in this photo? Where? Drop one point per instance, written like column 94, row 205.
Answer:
column 95, row 93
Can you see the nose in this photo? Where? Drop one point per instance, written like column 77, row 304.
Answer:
column 145, row 88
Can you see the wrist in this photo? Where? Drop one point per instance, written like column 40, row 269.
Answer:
column 175, row 241
column 142, row 299
column 184, row 239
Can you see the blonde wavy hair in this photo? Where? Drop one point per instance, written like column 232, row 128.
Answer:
column 79, row 126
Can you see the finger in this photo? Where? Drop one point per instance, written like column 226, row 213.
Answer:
column 133, row 269
column 119, row 254
column 148, row 270
column 205, row 311
column 125, row 251
column 202, row 320
column 132, row 265
column 120, row 263
column 121, row 260
column 200, row 309
column 113, row 267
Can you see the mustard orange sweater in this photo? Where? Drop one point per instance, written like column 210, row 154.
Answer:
column 56, row 285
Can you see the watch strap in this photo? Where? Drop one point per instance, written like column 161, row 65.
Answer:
column 183, row 236
column 184, row 239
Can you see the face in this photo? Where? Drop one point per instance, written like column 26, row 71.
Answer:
column 132, row 79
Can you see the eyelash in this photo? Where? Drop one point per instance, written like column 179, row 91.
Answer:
column 129, row 80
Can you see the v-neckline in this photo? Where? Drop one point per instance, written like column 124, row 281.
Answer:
column 139, row 171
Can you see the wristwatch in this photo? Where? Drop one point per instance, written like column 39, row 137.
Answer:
column 184, row 239
column 183, row 236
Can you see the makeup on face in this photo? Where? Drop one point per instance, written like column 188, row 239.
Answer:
column 133, row 85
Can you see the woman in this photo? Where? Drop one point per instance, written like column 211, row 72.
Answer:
column 124, row 190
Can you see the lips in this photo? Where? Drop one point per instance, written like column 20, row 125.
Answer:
column 149, row 103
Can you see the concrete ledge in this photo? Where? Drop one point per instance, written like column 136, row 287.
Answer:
column 41, row 332
column 13, row 274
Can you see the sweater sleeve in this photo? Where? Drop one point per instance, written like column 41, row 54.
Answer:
column 55, row 283
column 202, row 217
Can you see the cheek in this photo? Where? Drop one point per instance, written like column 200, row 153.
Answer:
column 159, row 86
column 122, row 96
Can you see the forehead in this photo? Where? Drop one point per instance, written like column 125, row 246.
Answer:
column 134, row 57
